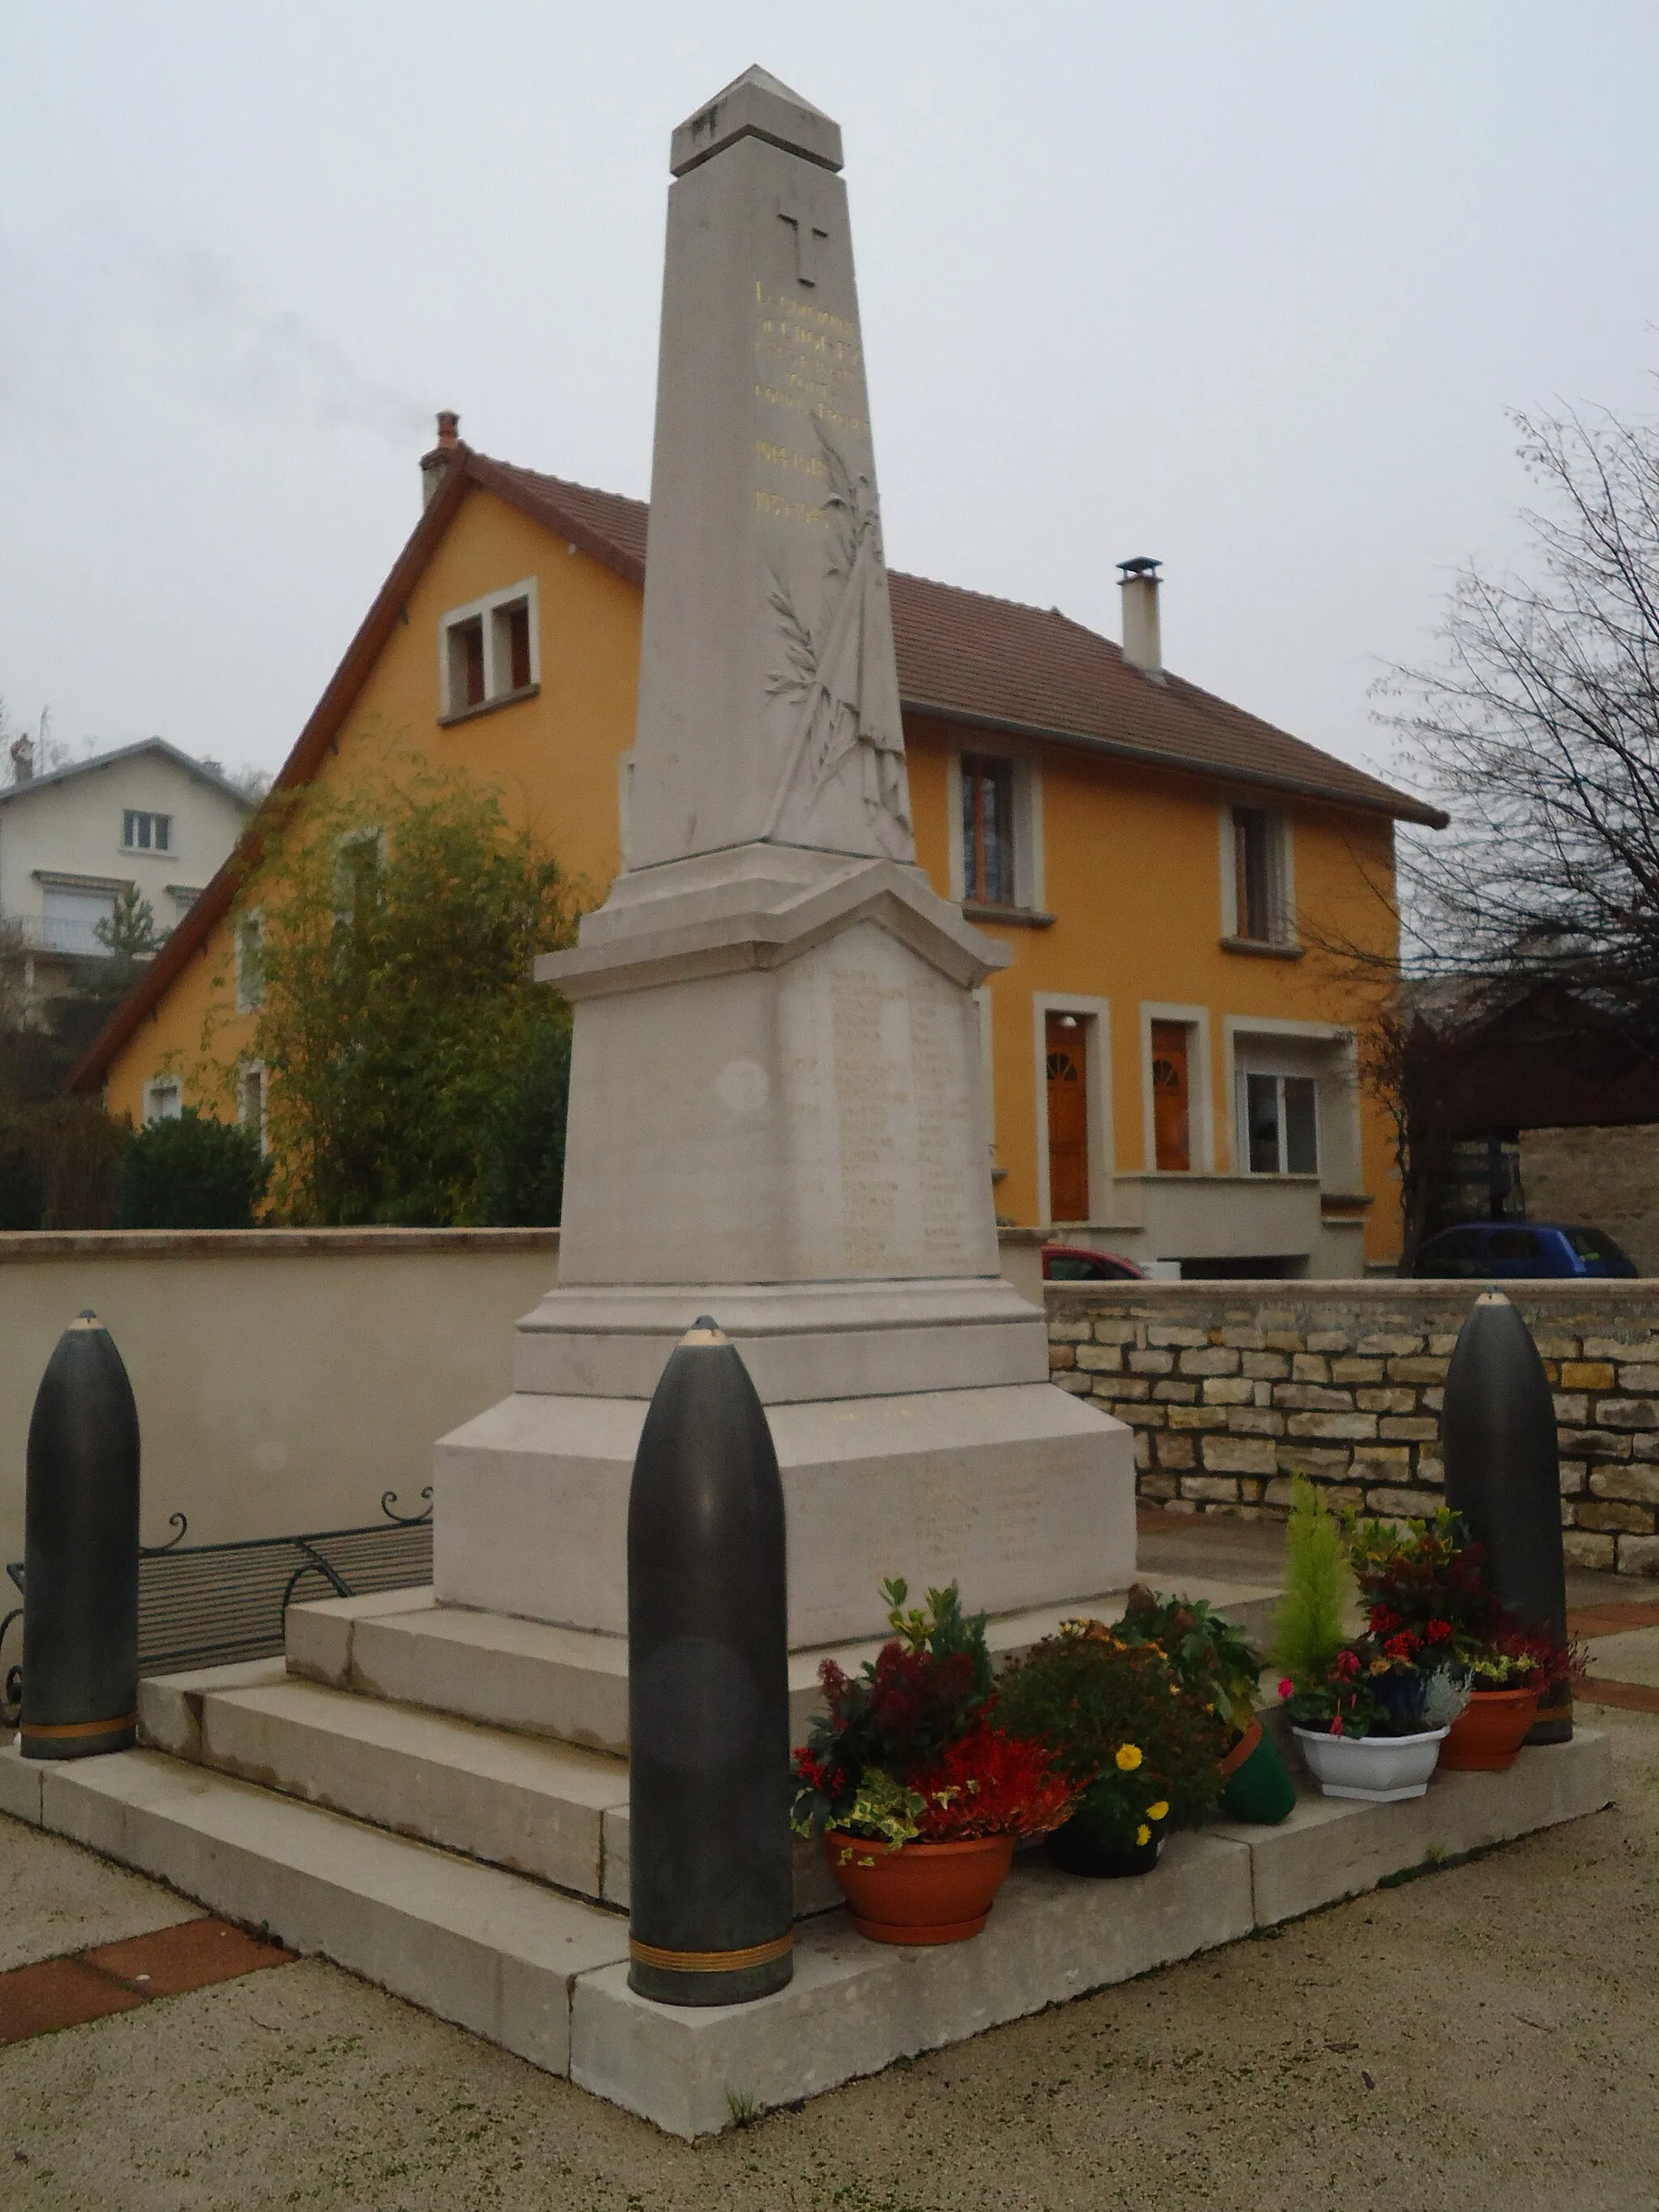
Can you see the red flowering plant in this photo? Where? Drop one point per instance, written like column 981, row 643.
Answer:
column 1429, row 1599
column 909, row 1748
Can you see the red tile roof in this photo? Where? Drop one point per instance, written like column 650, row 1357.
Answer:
column 969, row 658
column 963, row 656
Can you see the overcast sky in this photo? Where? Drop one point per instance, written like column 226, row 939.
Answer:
column 1247, row 287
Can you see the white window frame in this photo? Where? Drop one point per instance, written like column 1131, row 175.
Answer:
column 151, row 815
column 1242, row 1078
column 249, row 1072
column 1030, row 870
column 1201, row 1124
column 1095, row 1016
column 372, row 836
column 250, row 992
column 157, row 1091
column 497, row 668
column 1341, row 1136
column 1281, row 868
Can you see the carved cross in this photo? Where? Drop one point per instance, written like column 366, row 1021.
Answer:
column 809, row 228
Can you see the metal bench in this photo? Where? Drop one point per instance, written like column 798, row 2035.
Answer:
column 208, row 1605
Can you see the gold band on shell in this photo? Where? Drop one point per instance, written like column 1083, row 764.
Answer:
column 710, row 1962
column 51, row 1731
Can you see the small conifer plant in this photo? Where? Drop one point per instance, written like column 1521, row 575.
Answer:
column 1318, row 1586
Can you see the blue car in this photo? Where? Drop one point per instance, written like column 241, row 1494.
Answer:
column 1489, row 1251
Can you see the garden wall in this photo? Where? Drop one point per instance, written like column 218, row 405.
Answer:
column 1231, row 1388
column 285, row 1378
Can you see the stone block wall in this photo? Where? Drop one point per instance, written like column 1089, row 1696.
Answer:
column 1609, row 1178
column 1232, row 1389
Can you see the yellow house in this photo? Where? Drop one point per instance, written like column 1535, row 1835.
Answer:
column 1170, row 1074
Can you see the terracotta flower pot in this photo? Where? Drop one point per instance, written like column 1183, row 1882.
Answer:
column 1486, row 1736
column 922, row 1892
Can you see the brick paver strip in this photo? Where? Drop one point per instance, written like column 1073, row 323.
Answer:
column 1614, row 1619
column 56, row 1993
column 116, row 1977
column 188, row 1957
column 1634, row 1697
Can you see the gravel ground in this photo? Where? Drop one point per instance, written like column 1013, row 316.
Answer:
column 1486, row 2036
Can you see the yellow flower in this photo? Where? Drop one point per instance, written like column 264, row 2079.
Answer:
column 1143, row 1834
column 1160, row 1810
column 1128, row 1757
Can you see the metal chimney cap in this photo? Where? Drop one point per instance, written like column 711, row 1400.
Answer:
column 1142, row 565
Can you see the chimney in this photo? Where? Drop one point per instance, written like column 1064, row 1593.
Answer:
column 1143, row 647
column 434, row 465
column 22, row 759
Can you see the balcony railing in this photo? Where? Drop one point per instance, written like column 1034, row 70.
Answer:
column 39, row 932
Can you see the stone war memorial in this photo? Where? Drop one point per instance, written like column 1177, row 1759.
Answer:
column 777, row 1148
column 776, row 1103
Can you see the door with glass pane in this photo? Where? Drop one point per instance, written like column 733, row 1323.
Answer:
column 1068, row 1119
column 1172, row 1107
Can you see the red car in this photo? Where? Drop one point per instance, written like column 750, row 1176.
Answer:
column 1074, row 1263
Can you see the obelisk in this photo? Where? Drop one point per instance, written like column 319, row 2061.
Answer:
column 776, row 1114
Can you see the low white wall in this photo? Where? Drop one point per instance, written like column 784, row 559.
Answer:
column 285, row 1378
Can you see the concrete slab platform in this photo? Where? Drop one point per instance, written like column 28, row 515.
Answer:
column 544, row 1975
column 487, row 1949
column 855, row 2007
column 1332, row 1848
column 20, row 1784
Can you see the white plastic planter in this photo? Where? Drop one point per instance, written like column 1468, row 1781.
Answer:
column 1378, row 1769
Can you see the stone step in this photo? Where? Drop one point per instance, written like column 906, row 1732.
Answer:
column 534, row 1807
column 546, row 1976
column 547, row 1809
column 490, row 1950
column 539, row 1680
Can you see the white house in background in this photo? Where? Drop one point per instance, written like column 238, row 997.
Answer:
column 72, row 839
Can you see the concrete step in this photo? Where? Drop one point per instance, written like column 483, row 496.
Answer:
column 546, row 1977
column 536, row 1679
column 547, row 1809
column 488, row 1950
column 533, row 1807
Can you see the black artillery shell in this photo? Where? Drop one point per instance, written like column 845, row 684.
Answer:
column 711, row 1914
column 81, row 1553
column 1503, row 1476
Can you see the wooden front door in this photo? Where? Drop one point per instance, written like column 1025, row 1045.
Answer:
column 1171, row 1121
column 1068, row 1120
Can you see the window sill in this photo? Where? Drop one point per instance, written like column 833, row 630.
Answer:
column 1264, row 949
column 489, row 706
column 1017, row 917
column 1260, row 949
column 1341, row 1202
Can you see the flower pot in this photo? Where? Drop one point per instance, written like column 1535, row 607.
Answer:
column 1256, row 1787
column 1076, row 1849
column 1487, row 1735
column 1378, row 1769
column 922, row 1892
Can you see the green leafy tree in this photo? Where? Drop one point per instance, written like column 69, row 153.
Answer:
column 416, row 1069
column 191, row 1172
